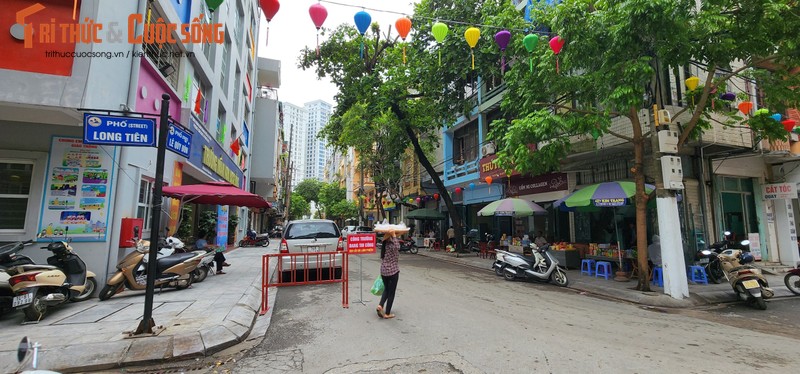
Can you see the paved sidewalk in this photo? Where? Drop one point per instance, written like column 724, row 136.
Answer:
column 699, row 294
column 201, row 320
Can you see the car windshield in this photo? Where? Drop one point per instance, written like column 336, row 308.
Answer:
column 312, row 230
column 365, row 228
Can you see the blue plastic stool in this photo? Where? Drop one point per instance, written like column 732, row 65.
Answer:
column 697, row 274
column 587, row 266
column 605, row 266
column 658, row 276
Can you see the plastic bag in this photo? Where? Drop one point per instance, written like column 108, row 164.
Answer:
column 377, row 286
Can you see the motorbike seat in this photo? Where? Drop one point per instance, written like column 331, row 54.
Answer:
column 165, row 263
column 25, row 268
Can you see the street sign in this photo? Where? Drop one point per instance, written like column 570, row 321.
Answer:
column 358, row 244
column 179, row 140
column 117, row 130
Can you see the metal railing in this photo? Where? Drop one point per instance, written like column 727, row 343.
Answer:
column 300, row 273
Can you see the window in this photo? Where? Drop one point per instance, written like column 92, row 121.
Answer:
column 15, row 187
column 199, row 100
column 143, row 208
column 226, row 56
column 221, row 125
column 166, row 56
column 237, row 94
column 206, row 20
column 465, row 143
column 238, row 25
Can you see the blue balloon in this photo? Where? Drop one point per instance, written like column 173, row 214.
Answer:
column 777, row 117
column 363, row 20
column 472, row 186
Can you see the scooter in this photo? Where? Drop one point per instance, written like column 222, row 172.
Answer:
column 206, row 265
column 10, row 258
column 174, row 270
column 408, row 245
column 747, row 281
column 260, row 241
column 541, row 266
column 792, row 280
column 708, row 258
column 38, row 287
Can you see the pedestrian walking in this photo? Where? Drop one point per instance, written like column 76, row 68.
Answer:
column 390, row 273
column 451, row 235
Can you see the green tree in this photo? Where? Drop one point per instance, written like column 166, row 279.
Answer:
column 617, row 55
column 385, row 105
column 299, row 207
column 342, row 210
column 308, row 189
column 330, row 194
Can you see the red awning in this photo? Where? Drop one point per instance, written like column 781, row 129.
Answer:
column 215, row 193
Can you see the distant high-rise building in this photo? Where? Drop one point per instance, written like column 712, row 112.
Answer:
column 294, row 122
column 317, row 113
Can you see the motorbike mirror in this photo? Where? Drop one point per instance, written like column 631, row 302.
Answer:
column 705, row 252
column 727, row 233
column 22, row 351
column 745, row 242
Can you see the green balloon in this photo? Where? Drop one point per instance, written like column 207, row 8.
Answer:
column 595, row 133
column 761, row 111
column 213, row 4
column 530, row 41
column 439, row 31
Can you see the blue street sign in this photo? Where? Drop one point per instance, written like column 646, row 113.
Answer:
column 116, row 130
column 179, row 140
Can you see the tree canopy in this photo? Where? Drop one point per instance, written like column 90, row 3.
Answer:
column 329, row 195
column 299, row 207
column 309, row 189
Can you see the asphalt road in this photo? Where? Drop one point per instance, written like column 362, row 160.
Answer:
column 456, row 319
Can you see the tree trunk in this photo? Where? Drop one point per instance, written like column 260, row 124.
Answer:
column 641, row 201
column 451, row 208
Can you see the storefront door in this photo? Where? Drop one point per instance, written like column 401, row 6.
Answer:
column 738, row 207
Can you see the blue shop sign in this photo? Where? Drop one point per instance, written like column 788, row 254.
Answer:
column 179, row 140
column 117, row 130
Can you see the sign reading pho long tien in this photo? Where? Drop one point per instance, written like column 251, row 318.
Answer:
column 116, row 130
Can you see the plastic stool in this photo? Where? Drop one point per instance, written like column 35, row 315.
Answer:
column 698, row 274
column 605, row 266
column 658, row 276
column 587, row 266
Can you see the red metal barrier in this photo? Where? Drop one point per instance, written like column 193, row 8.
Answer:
column 300, row 274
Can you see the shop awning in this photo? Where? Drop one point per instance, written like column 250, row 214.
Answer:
column 215, row 193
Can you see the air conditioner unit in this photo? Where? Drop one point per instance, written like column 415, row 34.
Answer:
column 488, row 149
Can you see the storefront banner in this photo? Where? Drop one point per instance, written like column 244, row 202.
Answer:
column 777, row 191
column 489, row 168
column 755, row 245
column 209, row 155
column 222, row 225
column 539, row 184
column 175, row 204
column 77, row 190
column 609, row 202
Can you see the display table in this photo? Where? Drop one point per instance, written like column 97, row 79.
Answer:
column 570, row 259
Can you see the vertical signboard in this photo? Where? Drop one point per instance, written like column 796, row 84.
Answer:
column 77, row 190
column 222, row 225
column 175, row 204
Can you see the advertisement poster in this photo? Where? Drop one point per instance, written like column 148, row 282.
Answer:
column 222, row 226
column 77, row 190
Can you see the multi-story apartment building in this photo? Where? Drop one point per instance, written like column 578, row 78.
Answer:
column 295, row 122
column 267, row 165
column 317, row 113
column 53, row 182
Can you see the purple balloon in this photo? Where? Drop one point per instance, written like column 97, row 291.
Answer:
column 502, row 38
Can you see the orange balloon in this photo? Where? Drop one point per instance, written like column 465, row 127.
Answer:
column 488, row 180
column 403, row 26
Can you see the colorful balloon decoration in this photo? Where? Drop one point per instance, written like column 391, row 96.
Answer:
column 439, row 31
column 270, row 9
column 556, row 43
column 761, row 112
column 789, row 124
column 728, row 96
column 777, row 117
column 362, row 20
column 471, row 36
column 691, row 84
column 745, row 107
column 213, row 4
column 458, row 189
column 403, row 26
column 472, row 186
column 488, row 180
column 418, row 200
column 436, row 196
column 318, row 15
column 502, row 38
column 530, row 42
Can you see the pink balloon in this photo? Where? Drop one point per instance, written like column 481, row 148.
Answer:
column 556, row 43
column 318, row 14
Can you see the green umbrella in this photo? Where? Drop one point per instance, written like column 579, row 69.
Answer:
column 426, row 214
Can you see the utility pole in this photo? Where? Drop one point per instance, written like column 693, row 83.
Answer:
column 287, row 189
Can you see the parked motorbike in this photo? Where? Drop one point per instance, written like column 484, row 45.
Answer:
column 408, row 245
column 261, row 240
column 792, row 280
column 28, row 356
column 708, row 258
column 542, row 266
column 747, row 281
column 206, row 265
column 10, row 258
column 38, row 287
column 174, row 269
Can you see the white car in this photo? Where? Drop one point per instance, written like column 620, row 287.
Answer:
column 309, row 237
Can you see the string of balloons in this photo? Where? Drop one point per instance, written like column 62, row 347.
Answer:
column 440, row 30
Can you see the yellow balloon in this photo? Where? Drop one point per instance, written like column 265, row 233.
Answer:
column 692, row 83
column 472, row 35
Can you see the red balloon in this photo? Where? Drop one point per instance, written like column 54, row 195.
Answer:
column 458, row 189
column 556, row 43
column 318, row 14
column 789, row 124
column 436, row 196
column 270, row 8
column 403, row 26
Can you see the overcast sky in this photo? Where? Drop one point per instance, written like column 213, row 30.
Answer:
column 292, row 29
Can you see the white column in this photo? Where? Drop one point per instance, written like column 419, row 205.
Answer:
column 673, row 264
column 787, row 235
